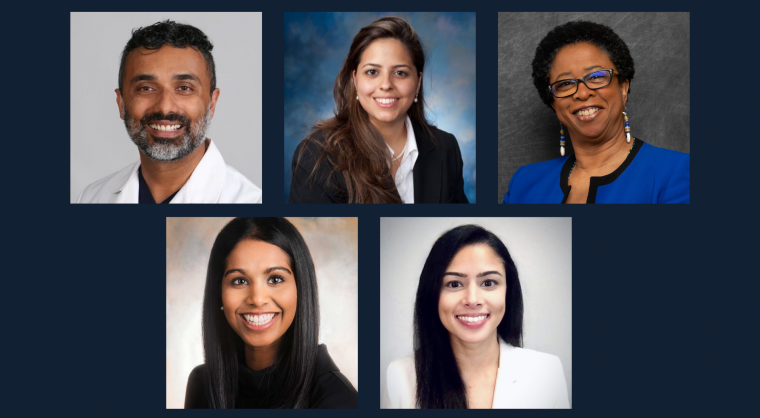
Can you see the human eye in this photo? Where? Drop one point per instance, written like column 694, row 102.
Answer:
column 453, row 284
column 239, row 281
column 275, row 280
column 371, row 72
column 185, row 89
column 401, row 73
column 490, row 283
column 144, row 89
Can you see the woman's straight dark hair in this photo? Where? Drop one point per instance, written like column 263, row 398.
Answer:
column 439, row 382
column 297, row 350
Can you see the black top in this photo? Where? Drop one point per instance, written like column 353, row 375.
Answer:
column 144, row 194
column 329, row 388
column 437, row 173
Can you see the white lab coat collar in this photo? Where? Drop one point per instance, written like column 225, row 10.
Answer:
column 203, row 186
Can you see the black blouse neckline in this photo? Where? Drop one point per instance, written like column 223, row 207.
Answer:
column 595, row 182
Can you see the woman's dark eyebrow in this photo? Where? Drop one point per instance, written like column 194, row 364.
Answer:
column 585, row 69
column 271, row 269
column 241, row 271
column 380, row 66
column 462, row 275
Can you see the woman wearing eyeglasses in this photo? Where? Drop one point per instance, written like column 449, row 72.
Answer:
column 583, row 71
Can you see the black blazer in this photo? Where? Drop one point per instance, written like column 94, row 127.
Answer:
column 437, row 173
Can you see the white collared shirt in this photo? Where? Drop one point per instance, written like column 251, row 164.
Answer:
column 212, row 181
column 404, row 174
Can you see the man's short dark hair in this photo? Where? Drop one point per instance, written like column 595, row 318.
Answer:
column 174, row 34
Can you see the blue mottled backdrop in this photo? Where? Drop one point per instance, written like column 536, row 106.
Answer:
column 317, row 43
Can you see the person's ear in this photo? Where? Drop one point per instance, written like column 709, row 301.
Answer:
column 214, row 98
column 120, row 103
column 624, row 86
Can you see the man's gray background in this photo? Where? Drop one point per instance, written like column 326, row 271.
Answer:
column 658, row 103
column 99, row 142
column 542, row 251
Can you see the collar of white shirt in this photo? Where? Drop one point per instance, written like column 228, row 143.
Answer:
column 203, row 186
column 404, row 174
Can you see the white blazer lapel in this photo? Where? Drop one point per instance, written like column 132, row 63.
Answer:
column 507, row 377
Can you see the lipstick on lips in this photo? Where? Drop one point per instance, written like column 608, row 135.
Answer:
column 386, row 101
column 587, row 113
column 473, row 320
column 259, row 321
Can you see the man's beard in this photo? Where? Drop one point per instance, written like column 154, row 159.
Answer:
column 167, row 149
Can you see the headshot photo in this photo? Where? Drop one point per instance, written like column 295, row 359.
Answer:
column 594, row 108
column 380, row 107
column 476, row 313
column 244, row 324
column 165, row 108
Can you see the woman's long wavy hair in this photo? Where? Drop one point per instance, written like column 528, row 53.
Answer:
column 297, row 349
column 439, row 382
column 349, row 143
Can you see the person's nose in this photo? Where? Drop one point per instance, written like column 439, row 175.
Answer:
column 583, row 92
column 258, row 294
column 472, row 297
column 166, row 102
column 386, row 84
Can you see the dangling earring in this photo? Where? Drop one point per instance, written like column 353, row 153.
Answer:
column 627, row 127
column 415, row 97
column 357, row 97
column 561, row 140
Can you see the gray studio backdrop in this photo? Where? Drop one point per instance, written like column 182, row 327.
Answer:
column 542, row 251
column 99, row 142
column 658, row 104
column 333, row 243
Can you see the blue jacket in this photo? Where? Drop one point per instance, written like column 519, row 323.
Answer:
column 648, row 175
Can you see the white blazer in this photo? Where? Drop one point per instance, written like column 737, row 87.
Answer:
column 525, row 379
column 212, row 181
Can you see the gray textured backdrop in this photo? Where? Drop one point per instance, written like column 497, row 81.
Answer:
column 658, row 105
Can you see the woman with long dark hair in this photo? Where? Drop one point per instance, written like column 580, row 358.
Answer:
column 379, row 147
column 468, row 323
column 261, row 325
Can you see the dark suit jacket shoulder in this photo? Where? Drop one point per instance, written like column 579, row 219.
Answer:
column 307, row 189
column 437, row 172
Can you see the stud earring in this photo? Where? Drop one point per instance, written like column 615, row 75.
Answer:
column 561, row 140
column 627, row 127
column 415, row 97
column 222, row 307
column 357, row 97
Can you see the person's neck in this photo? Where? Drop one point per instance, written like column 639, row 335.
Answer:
column 601, row 157
column 394, row 134
column 165, row 178
column 476, row 358
column 259, row 358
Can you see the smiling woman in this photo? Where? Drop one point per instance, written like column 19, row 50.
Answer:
column 583, row 71
column 468, row 324
column 379, row 147
column 261, row 325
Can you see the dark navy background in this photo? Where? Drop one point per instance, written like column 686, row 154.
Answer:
column 665, row 297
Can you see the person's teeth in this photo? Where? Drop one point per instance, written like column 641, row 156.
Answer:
column 589, row 111
column 472, row 318
column 386, row 101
